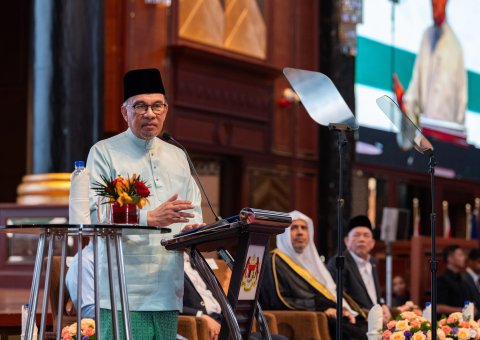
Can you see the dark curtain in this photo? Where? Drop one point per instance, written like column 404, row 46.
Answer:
column 67, row 81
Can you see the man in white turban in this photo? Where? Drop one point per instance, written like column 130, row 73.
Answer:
column 295, row 278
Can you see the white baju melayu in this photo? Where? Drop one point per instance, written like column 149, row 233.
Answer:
column 154, row 275
column 309, row 258
column 438, row 88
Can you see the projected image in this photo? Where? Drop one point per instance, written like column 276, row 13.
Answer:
column 424, row 55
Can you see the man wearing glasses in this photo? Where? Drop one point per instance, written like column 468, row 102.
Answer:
column 154, row 275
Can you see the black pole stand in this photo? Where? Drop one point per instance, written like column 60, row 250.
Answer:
column 433, row 260
column 340, row 259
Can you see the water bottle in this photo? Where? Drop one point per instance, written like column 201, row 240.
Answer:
column 467, row 311
column 427, row 312
column 79, row 208
column 79, row 168
column 23, row 336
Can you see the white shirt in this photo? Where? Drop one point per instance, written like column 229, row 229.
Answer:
column 211, row 304
column 438, row 88
column 365, row 269
column 88, row 289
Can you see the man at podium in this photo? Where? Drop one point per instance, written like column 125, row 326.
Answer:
column 154, row 275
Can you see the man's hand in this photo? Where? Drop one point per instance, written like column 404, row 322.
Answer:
column 170, row 212
column 192, row 226
column 213, row 327
column 399, row 91
column 347, row 314
column 330, row 312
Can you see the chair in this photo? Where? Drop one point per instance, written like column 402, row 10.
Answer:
column 323, row 326
column 193, row 328
column 299, row 325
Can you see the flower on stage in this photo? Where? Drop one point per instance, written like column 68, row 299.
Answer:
column 456, row 327
column 409, row 306
column 123, row 190
column 87, row 330
column 408, row 325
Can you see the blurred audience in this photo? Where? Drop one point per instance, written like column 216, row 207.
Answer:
column 400, row 293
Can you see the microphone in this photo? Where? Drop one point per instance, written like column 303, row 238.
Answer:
column 168, row 138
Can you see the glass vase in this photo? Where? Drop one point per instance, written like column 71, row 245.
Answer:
column 125, row 214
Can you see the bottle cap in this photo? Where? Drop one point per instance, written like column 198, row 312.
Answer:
column 466, row 302
column 427, row 304
column 79, row 164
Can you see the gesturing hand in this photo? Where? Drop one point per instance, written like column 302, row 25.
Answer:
column 170, row 212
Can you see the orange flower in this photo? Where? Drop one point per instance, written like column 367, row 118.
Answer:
column 463, row 334
column 402, row 325
column 446, row 329
column 397, row 336
column 415, row 324
column 418, row 336
column 391, row 324
column 386, row 334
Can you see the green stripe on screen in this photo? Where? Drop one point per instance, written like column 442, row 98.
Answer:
column 374, row 69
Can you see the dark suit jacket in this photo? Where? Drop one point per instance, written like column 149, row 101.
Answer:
column 353, row 283
column 472, row 289
column 193, row 302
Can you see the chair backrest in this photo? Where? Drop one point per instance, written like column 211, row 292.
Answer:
column 223, row 274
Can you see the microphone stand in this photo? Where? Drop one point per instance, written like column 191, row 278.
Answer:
column 340, row 259
column 219, row 220
column 433, row 232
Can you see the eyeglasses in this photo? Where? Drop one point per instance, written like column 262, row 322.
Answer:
column 142, row 108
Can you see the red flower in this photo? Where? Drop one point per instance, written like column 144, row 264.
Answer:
column 142, row 189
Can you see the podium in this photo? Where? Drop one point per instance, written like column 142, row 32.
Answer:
column 250, row 234
column 49, row 233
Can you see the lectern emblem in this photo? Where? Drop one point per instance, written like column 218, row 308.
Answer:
column 250, row 273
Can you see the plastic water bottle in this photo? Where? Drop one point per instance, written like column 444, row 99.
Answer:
column 79, row 209
column 427, row 312
column 23, row 336
column 467, row 311
column 79, row 168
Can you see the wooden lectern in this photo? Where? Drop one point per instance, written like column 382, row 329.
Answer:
column 250, row 233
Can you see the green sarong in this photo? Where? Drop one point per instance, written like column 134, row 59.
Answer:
column 145, row 325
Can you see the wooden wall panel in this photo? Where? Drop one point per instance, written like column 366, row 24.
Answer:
column 223, row 103
column 136, row 36
column 305, row 199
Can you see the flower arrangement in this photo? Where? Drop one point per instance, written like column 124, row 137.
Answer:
column 409, row 306
column 87, row 330
column 409, row 325
column 122, row 190
column 456, row 327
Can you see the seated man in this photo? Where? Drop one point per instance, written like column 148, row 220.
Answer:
column 198, row 300
column 88, row 297
column 295, row 278
column 360, row 274
column 471, row 278
column 452, row 290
